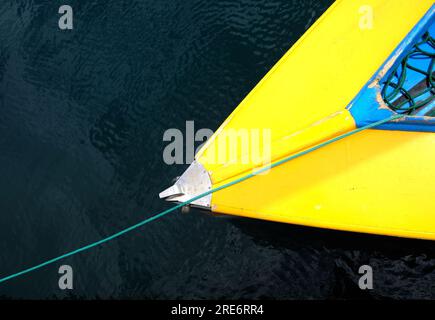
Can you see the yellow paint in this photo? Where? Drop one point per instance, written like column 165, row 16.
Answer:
column 375, row 181
column 239, row 161
column 354, row 184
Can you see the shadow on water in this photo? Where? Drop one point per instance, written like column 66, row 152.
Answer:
column 399, row 264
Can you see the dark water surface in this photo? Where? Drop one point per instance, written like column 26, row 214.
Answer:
column 82, row 118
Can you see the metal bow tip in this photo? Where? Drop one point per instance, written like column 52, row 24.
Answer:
column 194, row 181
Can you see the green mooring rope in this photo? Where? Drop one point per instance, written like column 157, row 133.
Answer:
column 163, row 213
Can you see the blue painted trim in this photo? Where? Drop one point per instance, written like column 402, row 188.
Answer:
column 365, row 107
column 410, row 124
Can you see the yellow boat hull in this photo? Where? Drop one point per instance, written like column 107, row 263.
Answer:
column 377, row 181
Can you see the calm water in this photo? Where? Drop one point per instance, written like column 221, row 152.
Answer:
column 82, row 118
